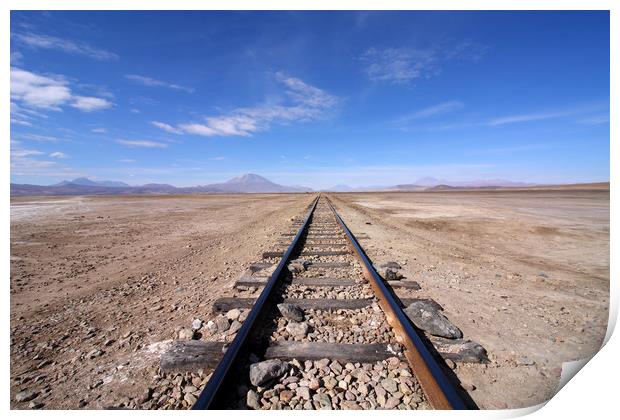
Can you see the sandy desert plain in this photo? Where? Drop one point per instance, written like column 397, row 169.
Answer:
column 98, row 283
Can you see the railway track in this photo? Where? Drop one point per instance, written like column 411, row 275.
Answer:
column 325, row 332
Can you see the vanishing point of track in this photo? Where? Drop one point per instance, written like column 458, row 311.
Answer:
column 322, row 227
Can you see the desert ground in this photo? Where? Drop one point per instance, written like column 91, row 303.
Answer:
column 98, row 283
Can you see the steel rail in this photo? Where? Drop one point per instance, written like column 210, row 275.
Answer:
column 439, row 390
column 211, row 394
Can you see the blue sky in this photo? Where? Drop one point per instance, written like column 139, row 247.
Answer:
column 309, row 98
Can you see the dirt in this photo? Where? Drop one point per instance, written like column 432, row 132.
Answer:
column 525, row 274
column 98, row 283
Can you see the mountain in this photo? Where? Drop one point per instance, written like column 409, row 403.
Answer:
column 480, row 183
column 247, row 183
column 90, row 183
column 340, row 188
column 252, row 183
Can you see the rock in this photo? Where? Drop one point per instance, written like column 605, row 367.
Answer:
column 468, row 387
column 524, row 361
column 197, row 324
column 253, row 400
column 234, row 327
column 26, row 396
column 450, row 364
column 35, row 405
column 426, row 317
column 211, row 326
column 297, row 329
column 329, row 382
column 351, row 405
column 297, row 266
column 190, row 398
column 286, row 395
column 460, row 350
column 391, row 264
column 303, row 392
column 263, row 372
column 389, row 385
column 291, row 312
column 94, row 353
column 314, row 384
column 392, row 403
column 186, row 334
column 325, row 402
column 233, row 314
column 222, row 324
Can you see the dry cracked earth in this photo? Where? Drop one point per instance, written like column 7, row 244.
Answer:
column 99, row 285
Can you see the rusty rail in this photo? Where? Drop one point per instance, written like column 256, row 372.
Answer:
column 439, row 390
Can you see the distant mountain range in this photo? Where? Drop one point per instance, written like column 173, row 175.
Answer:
column 247, row 183
column 429, row 183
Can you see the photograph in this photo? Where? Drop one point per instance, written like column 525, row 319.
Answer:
column 305, row 209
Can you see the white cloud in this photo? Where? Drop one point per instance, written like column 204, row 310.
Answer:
column 99, row 130
column 303, row 103
column 399, row 65
column 149, row 81
column 16, row 57
column 432, row 111
column 32, row 90
column 24, row 162
column 38, row 91
column 126, row 160
column 142, row 143
column 38, row 41
column 510, row 119
column 217, row 158
column 134, row 111
column 59, row 155
column 404, row 65
column 38, row 137
column 166, row 127
column 89, row 103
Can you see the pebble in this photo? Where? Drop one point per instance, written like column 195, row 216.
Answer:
column 197, row 324
column 233, row 314
column 263, row 372
column 26, row 396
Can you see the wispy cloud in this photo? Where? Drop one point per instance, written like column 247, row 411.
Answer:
column 404, row 65
column 38, row 137
column 166, row 127
column 511, row 119
column 431, row 111
column 304, row 103
column 126, row 160
column 99, row 130
column 217, row 158
column 33, row 90
column 59, row 155
column 26, row 162
column 40, row 41
column 594, row 120
column 142, row 143
column 149, row 81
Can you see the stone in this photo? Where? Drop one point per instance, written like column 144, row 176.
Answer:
column 263, row 372
column 325, row 402
column 234, row 327
column 297, row 266
column 197, row 324
column 351, row 405
column 35, row 405
column 303, row 392
column 468, row 387
column 392, row 403
column 329, row 382
column 390, row 385
column 211, row 326
column 186, row 334
column 25, row 396
column 297, row 329
column 252, row 400
column 286, row 395
column 222, row 324
column 233, row 314
column 94, row 353
column 190, row 398
column 427, row 317
column 291, row 312
column 450, row 364
column 314, row 384
column 391, row 264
